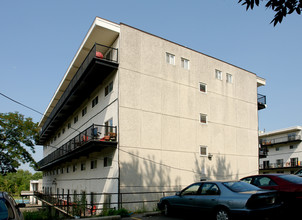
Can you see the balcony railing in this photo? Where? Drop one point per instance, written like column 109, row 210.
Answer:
column 279, row 140
column 261, row 101
column 98, row 133
column 280, row 165
column 97, row 65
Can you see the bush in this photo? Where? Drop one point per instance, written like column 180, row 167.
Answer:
column 122, row 212
column 36, row 215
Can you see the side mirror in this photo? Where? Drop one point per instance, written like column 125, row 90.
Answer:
column 21, row 205
column 177, row 193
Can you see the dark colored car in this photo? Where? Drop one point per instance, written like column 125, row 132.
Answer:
column 222, row 198
column 288, row 185
column 9, row 209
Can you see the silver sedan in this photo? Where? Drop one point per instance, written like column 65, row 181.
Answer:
column 224, row 199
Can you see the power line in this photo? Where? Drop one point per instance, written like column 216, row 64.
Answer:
column 13, row 100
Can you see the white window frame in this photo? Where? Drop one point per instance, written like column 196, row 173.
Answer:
column 170, row 58
column 201, row 116
column 185, row 63
column 218, row 74
column 205, row 85
column 201, row 148
column 229, row 78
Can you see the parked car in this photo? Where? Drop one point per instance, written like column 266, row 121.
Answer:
column 289, row 185
column 9, row 209
column 222, row 198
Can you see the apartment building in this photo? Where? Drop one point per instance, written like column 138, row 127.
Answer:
column 138, row 113
column 281, row 150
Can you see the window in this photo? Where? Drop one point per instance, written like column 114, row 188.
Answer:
column 229, row 78
column 62, row 170
column 108, row 88
column 83, row 166
column 170, row 58
column 107, row 162
column 185, row 63
column 93, row 164
column 108, row 126
column 218, row 74
column 74, row 168
column 264, row 181
column 279, row 162
column 266, row 164
column 203, row 87
column 203, row 151
column 67, row 169
column 69, row 125
column 203, row 118
column 75, row 119
column 84, row 111
column 191, row 190
column 294, row 162
column 209, row 189
column 95, row 101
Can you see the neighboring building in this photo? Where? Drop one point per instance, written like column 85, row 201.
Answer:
column 137, row 113
column 281, row 150
column 35, row 186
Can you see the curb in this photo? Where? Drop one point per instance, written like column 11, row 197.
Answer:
column 148, row 214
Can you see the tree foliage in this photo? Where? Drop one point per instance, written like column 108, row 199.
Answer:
column 17, row 137
column 280, row 7
column 14, row 183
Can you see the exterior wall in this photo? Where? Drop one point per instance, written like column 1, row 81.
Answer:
column 283, row 148
column 159, row 116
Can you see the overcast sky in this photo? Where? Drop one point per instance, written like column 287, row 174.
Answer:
column 39, row 39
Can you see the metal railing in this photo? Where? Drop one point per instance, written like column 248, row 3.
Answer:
column 283, row 139
column 280, row 165
column 95, row 203
column 93, row 133
column 261, row 99
column 99, row 52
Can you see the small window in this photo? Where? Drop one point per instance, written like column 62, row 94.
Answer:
column 95, row 101
column 203, row 118
column 93, row 164
column 108, row 88
column 218, row 74
column 69, row 125
column 63, row 130
column 170, row 58
column 75, row 119
column 185, row 63
column 229, row 78
column 203, row 150
column 107, row 162
column 84, row 111
column 67, row 169
column 62, row 170
column 203, row 87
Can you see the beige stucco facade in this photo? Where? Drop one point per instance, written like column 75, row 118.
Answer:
column 159, row 109
column 156, row 107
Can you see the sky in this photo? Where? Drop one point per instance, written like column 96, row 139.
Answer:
column 39, row 39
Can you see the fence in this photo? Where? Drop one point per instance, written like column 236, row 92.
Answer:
column 95, row 203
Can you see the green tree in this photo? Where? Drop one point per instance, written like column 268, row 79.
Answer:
column 280, row 7
column 17, row 137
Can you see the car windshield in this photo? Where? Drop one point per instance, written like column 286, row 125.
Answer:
column 239, row 186
column 292, row 178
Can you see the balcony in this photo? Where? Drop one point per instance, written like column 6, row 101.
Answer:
column 98, row 64
column 93, row 139
column 261, row 101
column 287, row 165
column 263, row 152
column 280, row 140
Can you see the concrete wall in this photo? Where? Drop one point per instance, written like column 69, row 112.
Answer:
column 159, row 110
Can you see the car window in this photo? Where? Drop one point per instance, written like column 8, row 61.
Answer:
column 247, row 180
column 240, row 186
column 191, row 190
column 264, row 181
column 209, row 189
column 3, row 210
column 292, row 178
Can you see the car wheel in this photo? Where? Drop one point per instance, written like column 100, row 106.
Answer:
column 167, row 209
column 222, row 214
